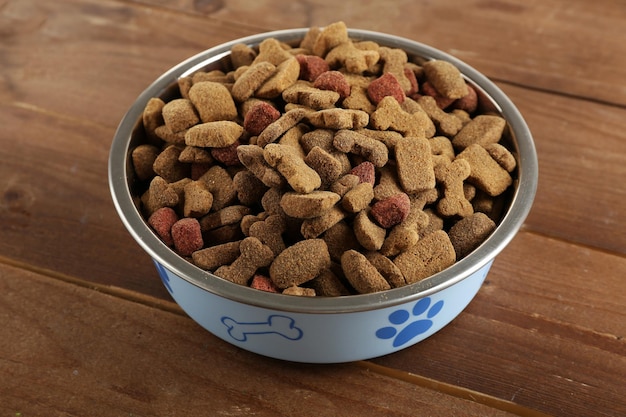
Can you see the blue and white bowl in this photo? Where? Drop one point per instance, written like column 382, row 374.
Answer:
column 324, row 329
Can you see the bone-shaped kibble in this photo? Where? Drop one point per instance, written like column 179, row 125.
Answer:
column 371, row 149
column 281, row 325
column 353, row 59
column 251, row 156
column 390, row 115
column 254, row 255
column 251, row 80
column 270, row 232
column 447, row 123
column 451, row 176
column 298, row 174
column 286, row 74
column 338, row 119
column 280, row 126
column 302, row 93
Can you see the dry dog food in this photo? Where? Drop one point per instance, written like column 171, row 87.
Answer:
column 327, row 168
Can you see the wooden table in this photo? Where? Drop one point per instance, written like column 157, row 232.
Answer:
column 87, row 328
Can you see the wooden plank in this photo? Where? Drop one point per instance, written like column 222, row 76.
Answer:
column 581, row 147
column 90, row 59
column 582, row 44
column 546, row 329
column 69, row 350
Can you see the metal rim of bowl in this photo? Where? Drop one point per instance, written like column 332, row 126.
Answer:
column 520, row 205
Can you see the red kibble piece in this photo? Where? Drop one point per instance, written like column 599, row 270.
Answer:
column 263, row 283
column 311, row 67
column 469, row 103
column 429, row 90
column 385, row 85
column 392, row 210
column 187, row 236
column 333, row 81
column 227, row 155
column 365, row 171
column 260, row 116
column 162, row 221
column 410, row 75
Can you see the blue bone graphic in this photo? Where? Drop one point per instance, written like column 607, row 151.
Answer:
column 284, row 326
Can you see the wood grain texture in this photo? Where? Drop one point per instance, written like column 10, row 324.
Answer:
column 582, row 43
column 98, row 355
column 546, row 331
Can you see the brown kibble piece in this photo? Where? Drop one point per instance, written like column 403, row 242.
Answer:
column 286, row 74
column 468, row 233
column 502, row 156
column 152, row 117
column 253, row 255
column 372, row 150
column 270, row 232
column 300, row 263
column 345, row 184
column 220, row 184
column 212, row 101
column 358, row 198
column 327, row 166
column 483, row 130
column 306, row 206
column 298, row 174
column 198, row 199
column 339, row 239
column 387, row 269
column 281, row 125
column 446, row 78
column 451, row 176
column 252, row 79
column 224, row 217
column 338, row 119
column 368, row 234
column 329, row 37
column 179, row 115
column 352, row 59
column 390, row 115
column 327, row 284
column 213, row 134
column 271, row 50
column 414, row 164
column 242, row 55
column 251, row 156
column 433, row 253
column 361, row 274
column 299, row 291
column 167, row 165
column 401, row 237
column 160, row 194
column 215, row 256
column 143, row 157
column 249, row 188
column 312, row 228
column 446, row 123
column 312, row 97
column 485, row 172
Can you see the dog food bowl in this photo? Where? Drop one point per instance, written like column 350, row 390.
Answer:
column 324, row 329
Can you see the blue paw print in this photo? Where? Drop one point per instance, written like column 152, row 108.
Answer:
column 414, row 328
